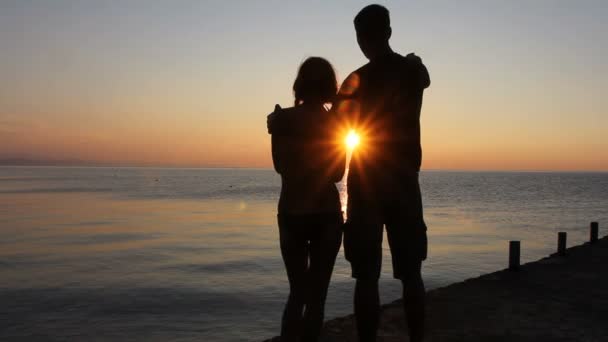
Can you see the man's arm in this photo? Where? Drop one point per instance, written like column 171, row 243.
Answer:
column 279, row 123
column 337, row 150
column 271, row 119
column 423, row 77
column 346, row 105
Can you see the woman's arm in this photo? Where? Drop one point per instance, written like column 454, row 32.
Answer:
column 279, row 142
column 277, row 154
column 285, row 154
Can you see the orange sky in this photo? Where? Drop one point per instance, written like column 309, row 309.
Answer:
column 514, row 87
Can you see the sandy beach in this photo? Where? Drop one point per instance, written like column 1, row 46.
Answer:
column 553, row 299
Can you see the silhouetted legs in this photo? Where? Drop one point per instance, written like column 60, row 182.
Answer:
column 399, row 209
column 367, row 308
column 323, row 252
column 414, row 305
column 309, row 249
column 295, row 257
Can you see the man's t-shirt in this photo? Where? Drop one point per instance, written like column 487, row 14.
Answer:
column 382, row 102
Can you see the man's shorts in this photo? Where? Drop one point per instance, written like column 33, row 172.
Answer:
column 400, row 210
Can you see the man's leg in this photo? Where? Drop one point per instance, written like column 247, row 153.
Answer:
column 363, row 248
column 406, row 232
column 367, row 308
column 414, row 305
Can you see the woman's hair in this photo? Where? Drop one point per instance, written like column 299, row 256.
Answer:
column 316, row 82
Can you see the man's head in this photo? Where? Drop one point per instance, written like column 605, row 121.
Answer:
column 373, row 26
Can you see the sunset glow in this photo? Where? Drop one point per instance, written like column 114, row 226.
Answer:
column 106, row 84
column 352, row 140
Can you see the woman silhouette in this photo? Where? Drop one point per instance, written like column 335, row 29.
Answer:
column 310, row 160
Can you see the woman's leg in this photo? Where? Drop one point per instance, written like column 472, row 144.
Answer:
column 324, row 248
column 294, row 250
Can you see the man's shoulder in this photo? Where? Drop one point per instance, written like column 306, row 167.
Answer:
column 362, row 71
column 410, row 60
column 412, row 66
column 351, row 84
column 364, row 68
column 392, row 61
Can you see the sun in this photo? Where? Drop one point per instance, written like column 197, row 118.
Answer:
column 352, row 140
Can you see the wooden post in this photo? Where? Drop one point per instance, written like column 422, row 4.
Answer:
column 514, row 248
column 561, row 243
column 593, row 232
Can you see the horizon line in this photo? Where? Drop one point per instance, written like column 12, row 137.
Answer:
column 220, row 167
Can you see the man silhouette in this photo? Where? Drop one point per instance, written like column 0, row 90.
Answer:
column 382, row 102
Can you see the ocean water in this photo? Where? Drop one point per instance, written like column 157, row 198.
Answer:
column 192, row 254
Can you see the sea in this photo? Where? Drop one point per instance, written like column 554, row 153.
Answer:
column 168, row 254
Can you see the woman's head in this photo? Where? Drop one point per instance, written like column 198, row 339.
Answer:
column 316, row 82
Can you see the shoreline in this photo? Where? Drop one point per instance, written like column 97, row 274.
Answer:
column 556, row 298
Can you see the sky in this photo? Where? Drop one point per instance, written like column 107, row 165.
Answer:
column 516, row 85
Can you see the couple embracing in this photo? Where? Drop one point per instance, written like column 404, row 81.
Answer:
column 381, row 101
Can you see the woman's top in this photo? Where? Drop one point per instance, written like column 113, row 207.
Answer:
column 310, row 160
